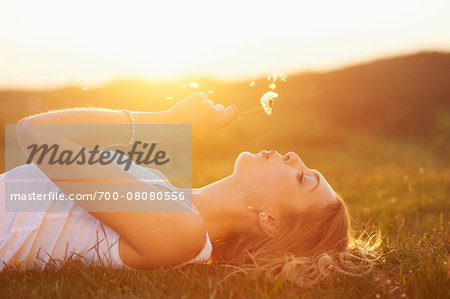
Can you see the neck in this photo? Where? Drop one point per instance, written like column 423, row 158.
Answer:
column 222, row 208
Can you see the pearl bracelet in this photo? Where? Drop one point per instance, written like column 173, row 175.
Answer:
column 133, row 126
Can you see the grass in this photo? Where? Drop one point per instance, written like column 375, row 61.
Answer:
column 401, row 187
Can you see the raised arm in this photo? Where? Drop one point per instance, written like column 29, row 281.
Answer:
column 156, row 238
column 196, row 109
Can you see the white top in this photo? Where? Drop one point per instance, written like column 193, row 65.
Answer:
column 33, row 239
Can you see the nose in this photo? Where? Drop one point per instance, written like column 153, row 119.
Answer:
column 293, row 158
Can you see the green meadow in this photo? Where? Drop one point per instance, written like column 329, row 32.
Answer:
column 378, row 132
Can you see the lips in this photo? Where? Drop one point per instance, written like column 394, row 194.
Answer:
column 266, row 154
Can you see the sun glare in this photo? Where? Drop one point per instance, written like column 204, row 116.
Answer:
column 48, row 42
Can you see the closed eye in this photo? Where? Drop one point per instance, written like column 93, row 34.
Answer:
column 300, row 178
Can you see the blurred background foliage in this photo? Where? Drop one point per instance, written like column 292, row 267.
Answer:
column 378, row 132
column 398, row 99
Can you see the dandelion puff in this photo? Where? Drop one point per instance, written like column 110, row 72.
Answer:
column 272, row 86
column 252, row 83
column 194, row 84
column 267, row 101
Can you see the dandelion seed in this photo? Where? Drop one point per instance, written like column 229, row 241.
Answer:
column 272, row 86
column 274, row 77
column 269, row 78
column 199, row 77
column 210, row 91
column 194, row 84
column 283, row 77
column 183, row 86
column 169, row 98
column 267, row 101
column 84, row 88
column 252, row 83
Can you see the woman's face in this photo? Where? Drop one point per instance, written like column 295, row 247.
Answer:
column 281, row 181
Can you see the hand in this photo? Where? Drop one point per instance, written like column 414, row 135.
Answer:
column 201, row 112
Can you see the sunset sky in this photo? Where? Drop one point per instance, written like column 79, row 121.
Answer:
column 50, row 43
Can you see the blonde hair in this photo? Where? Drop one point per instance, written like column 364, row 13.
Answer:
column 310, row 246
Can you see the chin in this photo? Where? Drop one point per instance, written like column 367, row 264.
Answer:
column 244, row 158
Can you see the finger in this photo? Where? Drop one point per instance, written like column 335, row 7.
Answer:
column 228, row 115
column 219, row 108
column 198, row 96
column 203, row 95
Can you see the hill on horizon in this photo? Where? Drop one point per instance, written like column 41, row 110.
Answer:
column 382, row 94
column 404, row 96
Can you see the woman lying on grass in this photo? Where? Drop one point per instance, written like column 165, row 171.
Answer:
column 272, row 214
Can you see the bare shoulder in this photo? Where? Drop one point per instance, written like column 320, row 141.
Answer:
column 171, row 243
